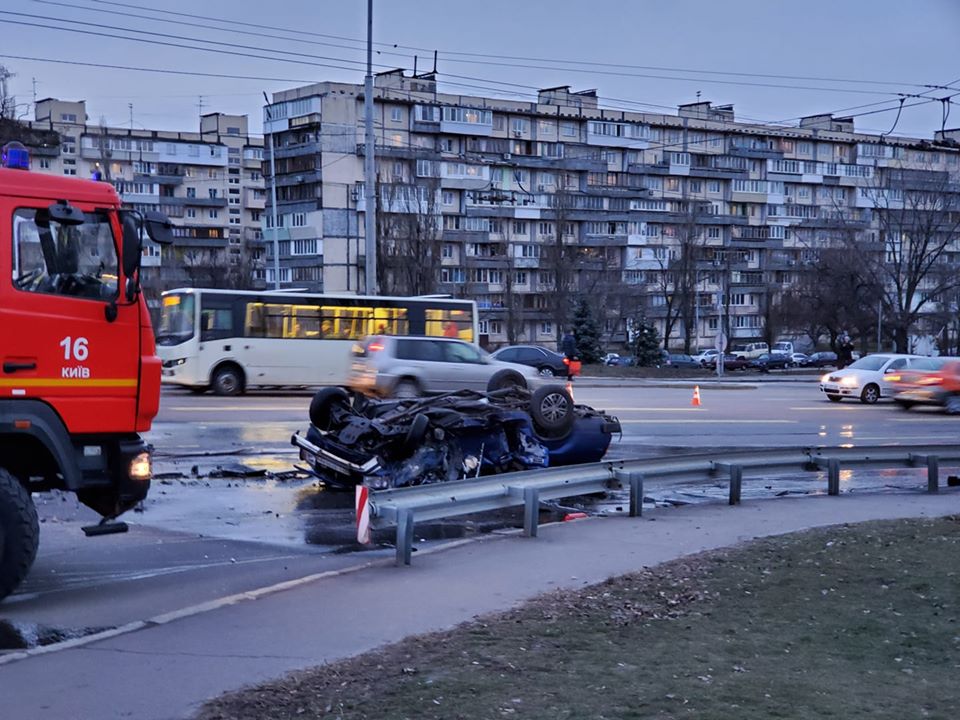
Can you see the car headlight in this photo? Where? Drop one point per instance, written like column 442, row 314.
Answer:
column 140, row 467
column 825, row 378
column 848, row 381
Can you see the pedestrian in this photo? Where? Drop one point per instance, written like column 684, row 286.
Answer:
column 571, row 356
column 844, row 350
column 450, row 330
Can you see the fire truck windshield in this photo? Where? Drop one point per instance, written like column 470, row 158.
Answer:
column 77, row 260
column 176, row 319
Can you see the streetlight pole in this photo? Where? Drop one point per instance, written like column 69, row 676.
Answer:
column 370, row 212
column 273, row 200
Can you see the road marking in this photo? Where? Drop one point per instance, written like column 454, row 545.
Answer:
column 708, row 421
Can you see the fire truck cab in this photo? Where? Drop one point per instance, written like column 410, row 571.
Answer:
column 79, row 378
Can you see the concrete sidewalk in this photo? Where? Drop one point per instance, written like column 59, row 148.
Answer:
column 168, row 667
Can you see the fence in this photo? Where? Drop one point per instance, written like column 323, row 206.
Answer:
column 404, row 507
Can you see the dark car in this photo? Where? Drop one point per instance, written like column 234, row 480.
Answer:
column 771, row 361
column 679, row 360
column 547, row 362
column 730, row 362
column 354, row 439
column 822, row 359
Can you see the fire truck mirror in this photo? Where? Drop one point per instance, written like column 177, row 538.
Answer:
column 131, row 246
column 159, row 227
column 65, row 214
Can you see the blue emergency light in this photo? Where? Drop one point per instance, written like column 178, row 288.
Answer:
column 15, row 155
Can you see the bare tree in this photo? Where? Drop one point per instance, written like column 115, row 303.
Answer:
column 558, row 256
column 214, row 268
column 408, row 238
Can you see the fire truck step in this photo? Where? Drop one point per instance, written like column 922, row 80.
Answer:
column 105, row 528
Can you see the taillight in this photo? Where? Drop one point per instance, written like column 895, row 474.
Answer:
column 375, row 345
column 930, row 380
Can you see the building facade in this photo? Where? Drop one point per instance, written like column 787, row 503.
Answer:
column 209, row 183
column 691, row 220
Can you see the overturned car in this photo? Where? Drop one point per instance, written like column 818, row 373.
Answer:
column 354, row 439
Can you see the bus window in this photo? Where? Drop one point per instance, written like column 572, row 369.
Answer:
column 389, row 321
column 346, row 322
column 450, row 323
column 254, row 326
column 305, row 322
column 216, row 323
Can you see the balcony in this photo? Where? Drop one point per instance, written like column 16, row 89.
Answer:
column 195, row 202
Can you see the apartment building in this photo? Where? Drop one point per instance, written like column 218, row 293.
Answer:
column 519, row 204
column 209, row 183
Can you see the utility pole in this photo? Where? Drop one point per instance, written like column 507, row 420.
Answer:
column 369, row 169
column 273, row 198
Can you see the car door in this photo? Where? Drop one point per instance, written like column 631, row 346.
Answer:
column 887, row 388
column 466, row 367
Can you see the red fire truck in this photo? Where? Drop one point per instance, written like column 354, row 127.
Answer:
column 79, row 377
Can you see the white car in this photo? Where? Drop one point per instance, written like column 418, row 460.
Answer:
column 865, row 379
column 707, row 357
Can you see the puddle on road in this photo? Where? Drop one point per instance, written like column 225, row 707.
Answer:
column 23, row 636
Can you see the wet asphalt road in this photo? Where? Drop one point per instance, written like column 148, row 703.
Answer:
column 200, row 538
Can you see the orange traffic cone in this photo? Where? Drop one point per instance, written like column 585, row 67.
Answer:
column 696, row 396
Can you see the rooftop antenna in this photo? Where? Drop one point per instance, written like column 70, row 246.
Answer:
column 130, row 107
column 414, row 65
column 434, row 62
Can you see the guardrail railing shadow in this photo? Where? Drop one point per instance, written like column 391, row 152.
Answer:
column 405, row 506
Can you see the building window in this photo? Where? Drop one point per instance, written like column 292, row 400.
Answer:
column 191, row 212
column 519, row 227
column 713, row 186
column 449, row 197
column 520, row 277
column 396, row 114
column 213, row 214
column 191, row 192
column 447, row 250
column 546, row 328
column 518, row 125
column 568, row 129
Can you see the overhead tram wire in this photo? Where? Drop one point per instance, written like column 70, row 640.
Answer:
column 575, row 62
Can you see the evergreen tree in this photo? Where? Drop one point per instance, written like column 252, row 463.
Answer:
column 586, row 332
column 646, row 343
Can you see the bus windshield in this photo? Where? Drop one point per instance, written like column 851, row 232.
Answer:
column 176, row 319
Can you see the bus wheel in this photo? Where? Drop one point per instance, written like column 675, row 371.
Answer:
column 19, row 533
column 227, row 380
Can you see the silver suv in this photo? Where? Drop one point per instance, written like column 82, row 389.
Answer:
column 411, row 366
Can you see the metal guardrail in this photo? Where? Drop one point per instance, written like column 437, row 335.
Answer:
column 404, row 507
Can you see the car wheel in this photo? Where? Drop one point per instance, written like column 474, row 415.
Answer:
column 904, row 404
column 546, row 371
column 323, row 403
column 551, row 409
column 505, row 379
column 415, row 434
column 834, row 398
column 227, row 380
column 952, row 405
column 19, row 533
column 870, row 394
column 406, row 389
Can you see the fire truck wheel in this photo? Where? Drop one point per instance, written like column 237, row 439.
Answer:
column 227, row 380
column 19, row 533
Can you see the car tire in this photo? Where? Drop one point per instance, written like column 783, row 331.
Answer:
column 406, row 388
column 504, row 379
column 551, row 409
column 415, row 435
column 870, row 394
column 903, row 404
column 834, row 398
column 951, row 406
column 322, row 405
column 227, row 380
column 546, row 371
column 19, row 533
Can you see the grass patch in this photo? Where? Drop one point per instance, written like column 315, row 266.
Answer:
column 857, row 621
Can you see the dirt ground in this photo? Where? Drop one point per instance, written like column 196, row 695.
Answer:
column 851, row 621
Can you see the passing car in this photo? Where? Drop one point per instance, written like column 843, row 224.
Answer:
column 547, row 362
column 770, row 361
column 822, row 359
column 389, row 366
column 679, row 361
column 936, row 382
column 867, row 379
column 357, row 440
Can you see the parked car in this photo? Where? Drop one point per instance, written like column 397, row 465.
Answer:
column 547, row 362
column 611, row 359
column 783, row 346
column 412, row 366
column 354, row 440
column 799, row 359
column 771, row 361
column 750, row 350
column 730, row 362
column 868, row 378
column 678, row 360
column 936, row 382
column 707, row 357
column 822, row 359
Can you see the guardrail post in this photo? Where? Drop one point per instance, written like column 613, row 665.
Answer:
column 933, row 469
column 833, row 476
column 736, row 481
column 404, row 536
column 531, row 511
column 635, row 481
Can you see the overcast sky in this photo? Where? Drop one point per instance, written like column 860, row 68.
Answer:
column 849, row 53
